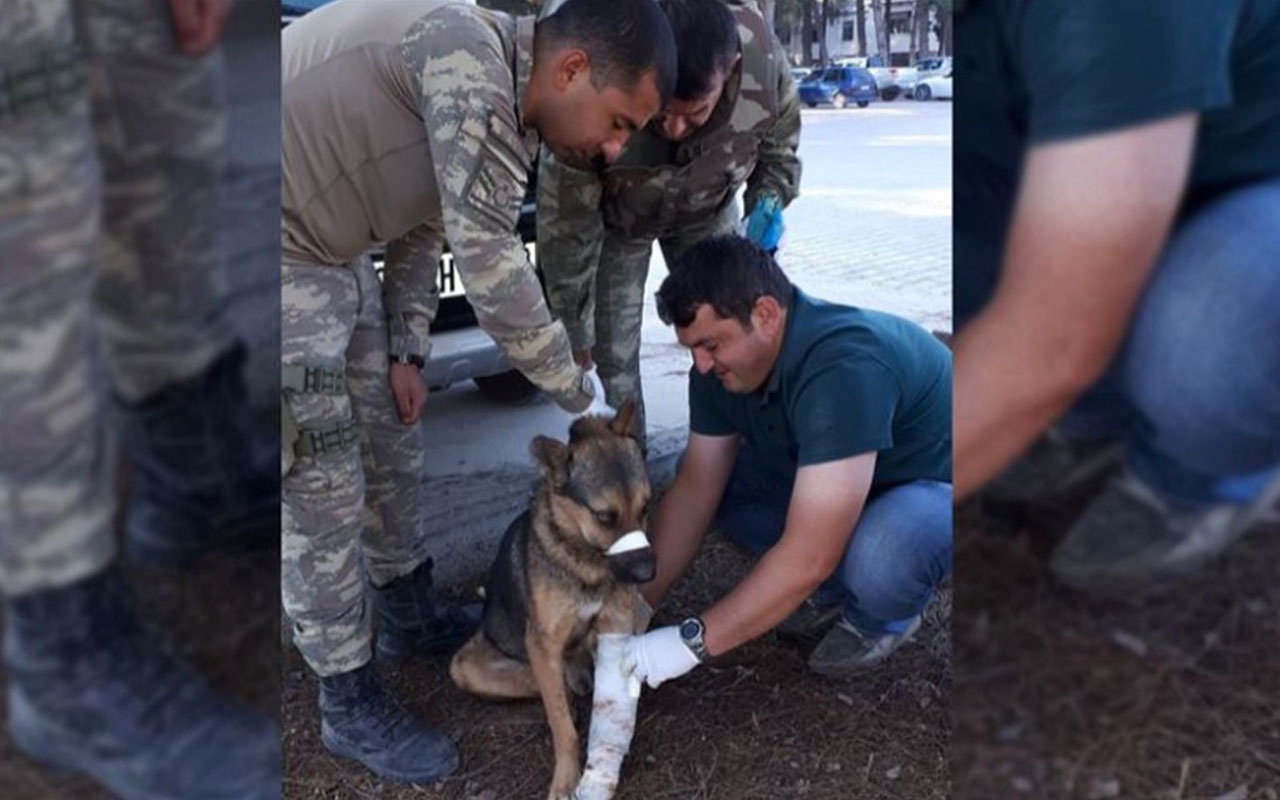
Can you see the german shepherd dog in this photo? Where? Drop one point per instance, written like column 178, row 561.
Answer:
column 565, row 571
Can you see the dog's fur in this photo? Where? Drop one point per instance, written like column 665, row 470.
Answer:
column 551, row 590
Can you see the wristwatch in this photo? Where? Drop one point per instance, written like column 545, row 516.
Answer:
column 691, row 633
column 408, row 358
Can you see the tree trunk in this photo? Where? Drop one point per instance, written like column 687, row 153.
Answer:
column 860, row 26
column 823, row 18
column 944, row 33
column 920, row 20
column 806, row 35
column 880, row 14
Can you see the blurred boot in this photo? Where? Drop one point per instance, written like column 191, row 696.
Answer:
column 93, row 691
column 204, row 477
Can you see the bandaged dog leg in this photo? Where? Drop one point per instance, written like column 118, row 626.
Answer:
column 613, row 720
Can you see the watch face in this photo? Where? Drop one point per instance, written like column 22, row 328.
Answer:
column 690, row 629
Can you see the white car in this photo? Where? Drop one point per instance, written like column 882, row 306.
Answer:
column 935, row 88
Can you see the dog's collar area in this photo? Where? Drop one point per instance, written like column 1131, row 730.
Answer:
column 635, row 540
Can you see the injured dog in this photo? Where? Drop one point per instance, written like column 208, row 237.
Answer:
column 565, row 576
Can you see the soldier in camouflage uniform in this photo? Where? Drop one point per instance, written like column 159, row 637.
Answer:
column 735, row 119
column 411, row 123
column 111, row 142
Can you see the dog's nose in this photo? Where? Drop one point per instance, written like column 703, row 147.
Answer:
column 631, row 558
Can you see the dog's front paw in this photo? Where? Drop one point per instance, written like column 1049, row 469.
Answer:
column 563, row 784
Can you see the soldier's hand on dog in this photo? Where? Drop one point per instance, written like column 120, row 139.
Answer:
column 197, row 24
column 658, row 656
column 409, row 390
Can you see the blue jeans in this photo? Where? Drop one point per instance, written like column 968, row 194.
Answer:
column 899, row 551
column 1195, row 389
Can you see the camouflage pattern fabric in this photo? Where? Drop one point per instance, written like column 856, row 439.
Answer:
column 448, row 160
column 351, row 511
column 108, row 184
column 593, row 225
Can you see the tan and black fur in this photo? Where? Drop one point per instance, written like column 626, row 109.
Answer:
column 551, row 589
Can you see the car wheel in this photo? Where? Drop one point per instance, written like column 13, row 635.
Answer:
column 810, row 104
column 862, row 104
column 838, row 100
column 923, row 93
column 508, row 388
column 890, row 94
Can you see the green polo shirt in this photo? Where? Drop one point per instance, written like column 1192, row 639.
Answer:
column 847, row 381
column 1034, row 71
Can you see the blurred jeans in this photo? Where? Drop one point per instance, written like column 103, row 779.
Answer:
column 1195, row 389
column 899, row 551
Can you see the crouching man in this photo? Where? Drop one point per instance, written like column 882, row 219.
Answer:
column 820, row 438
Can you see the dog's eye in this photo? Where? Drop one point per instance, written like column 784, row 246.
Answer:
column 606, row 517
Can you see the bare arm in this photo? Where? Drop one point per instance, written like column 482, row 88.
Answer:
column 685, row 512
column 1091, row 217
column 825, row 505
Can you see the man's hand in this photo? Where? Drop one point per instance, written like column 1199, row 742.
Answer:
column 598, row 404
column 583, row 358
column 197, row 24
column 658, row 656
column 409, row 390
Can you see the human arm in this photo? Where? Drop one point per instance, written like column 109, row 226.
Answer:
column 1091, row 217
column 197, row 24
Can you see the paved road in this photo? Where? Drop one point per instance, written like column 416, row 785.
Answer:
column 872, row 227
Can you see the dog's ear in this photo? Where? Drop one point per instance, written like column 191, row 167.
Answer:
column 552, row 457
column 622, row 422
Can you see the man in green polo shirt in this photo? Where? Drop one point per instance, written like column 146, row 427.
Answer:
column 820, row 437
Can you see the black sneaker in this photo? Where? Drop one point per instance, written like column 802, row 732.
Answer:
column 93, row 691
column 360, row 720
column 846, row 651
column 412, row 621
column 1052, row 470
column 1130, row 538
column 809, row 620
column 204, row 476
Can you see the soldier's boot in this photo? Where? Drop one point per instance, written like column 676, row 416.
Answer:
column 204, row 477
column 94, row 691
column 413, row 621
column 359, row 719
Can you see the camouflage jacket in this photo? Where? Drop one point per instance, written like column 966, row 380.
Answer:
column 401, row 123
column 658, row 188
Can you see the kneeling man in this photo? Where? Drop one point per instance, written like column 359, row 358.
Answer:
column 819, row 437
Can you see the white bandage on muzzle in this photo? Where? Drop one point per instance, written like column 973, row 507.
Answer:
column 631, row 558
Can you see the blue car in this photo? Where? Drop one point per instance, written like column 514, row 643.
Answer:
column 838, row 86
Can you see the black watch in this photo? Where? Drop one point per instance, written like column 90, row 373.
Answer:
column 692, row 632
column 409, row 358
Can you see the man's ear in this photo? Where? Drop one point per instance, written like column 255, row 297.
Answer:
column 624, row 422
column 766, row 314
column 571, row 63
column 552, row 458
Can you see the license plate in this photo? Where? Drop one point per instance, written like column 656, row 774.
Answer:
column 450, row 282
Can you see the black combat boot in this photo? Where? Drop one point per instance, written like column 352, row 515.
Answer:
column 93, row 691
column 411, row 621
column 359, row 719
column 204, row 477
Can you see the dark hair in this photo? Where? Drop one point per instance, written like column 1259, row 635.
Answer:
column 706, row 43
column 729, row 273
column 624, row 39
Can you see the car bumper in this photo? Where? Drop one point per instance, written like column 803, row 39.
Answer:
column 460, row 355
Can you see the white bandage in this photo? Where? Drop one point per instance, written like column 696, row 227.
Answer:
column 635, row 540
column 613, row 720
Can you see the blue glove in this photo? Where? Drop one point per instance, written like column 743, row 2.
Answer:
column 764, row 223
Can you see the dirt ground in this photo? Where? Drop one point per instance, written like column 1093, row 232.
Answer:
column 755, row 724
column 1058, row 696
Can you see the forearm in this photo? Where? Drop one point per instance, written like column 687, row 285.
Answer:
column 679, row 527
column 776, row 586
column 570, row 232
column 410, row 295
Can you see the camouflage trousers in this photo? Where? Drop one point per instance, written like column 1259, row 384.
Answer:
column 620, row 302
column 111, row 149
column 354, row 510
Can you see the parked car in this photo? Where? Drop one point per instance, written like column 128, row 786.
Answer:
column 460, row 349
column 909, row 78
column 800, row 74
column 936, row 88
column 838, row 86
column 885, row 76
